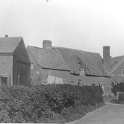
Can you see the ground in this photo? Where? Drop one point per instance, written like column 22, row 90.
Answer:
column 108, row 114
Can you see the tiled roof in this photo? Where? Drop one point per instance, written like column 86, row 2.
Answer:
column 9, row 44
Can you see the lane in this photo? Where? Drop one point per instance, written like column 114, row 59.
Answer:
column 109, row 114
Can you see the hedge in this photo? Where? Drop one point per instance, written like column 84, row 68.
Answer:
column 46, row 102
column 118, row 91
column 117, row 87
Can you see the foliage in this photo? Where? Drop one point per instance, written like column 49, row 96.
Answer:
column 117, row 87
column 46, row 102
column 118, row 91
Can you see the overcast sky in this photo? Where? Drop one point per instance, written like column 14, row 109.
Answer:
column 79, row 24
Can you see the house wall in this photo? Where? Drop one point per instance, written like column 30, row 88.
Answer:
column 53, row 79
column 47, row 76
column 44, row 76
column 6, row 67
column 38, row 76
column 21, row 68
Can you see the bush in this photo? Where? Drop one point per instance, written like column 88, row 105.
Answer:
column 47, row 102
column 117, row 87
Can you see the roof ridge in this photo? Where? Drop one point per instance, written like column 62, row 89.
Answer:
column 67, row 49
column 11, row 37
column 78, row 50
column 31, row 46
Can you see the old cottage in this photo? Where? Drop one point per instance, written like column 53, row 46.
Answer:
column 47, row 64
column 14, row 62
column 51, row 64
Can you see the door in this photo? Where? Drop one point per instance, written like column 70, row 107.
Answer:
column 4, row 81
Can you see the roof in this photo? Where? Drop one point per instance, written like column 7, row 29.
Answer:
column 47, row 58
column 116, row 62
column 113, row 65
column 93, row 61
column 9, row 44
column 64, row 58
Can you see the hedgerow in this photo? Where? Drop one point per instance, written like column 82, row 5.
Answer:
column 118, row 91
column 117, row 87
column 46, row 102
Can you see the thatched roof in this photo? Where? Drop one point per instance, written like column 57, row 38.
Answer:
column 117, row 61
column 47, row 58
column 92, row 62
column 114, row 64
column 66, row 59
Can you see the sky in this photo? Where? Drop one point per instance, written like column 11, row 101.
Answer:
column 80, row 24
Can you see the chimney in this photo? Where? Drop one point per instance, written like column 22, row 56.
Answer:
column 47, row 44
column 106, row 54
column 6, row 35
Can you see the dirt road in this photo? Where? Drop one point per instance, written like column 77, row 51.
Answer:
column 109, row 114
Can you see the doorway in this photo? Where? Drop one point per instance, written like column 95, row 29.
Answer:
column 3, row 81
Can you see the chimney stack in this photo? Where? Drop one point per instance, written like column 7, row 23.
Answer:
column 47, row 44
column 106, row 54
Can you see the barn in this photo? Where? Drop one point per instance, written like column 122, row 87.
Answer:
column 14, row 62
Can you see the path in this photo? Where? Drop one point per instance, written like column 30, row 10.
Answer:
column 109, row 114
